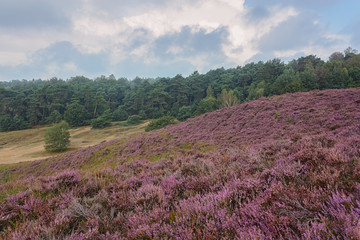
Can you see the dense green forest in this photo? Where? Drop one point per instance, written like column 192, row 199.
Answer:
column 80, row 100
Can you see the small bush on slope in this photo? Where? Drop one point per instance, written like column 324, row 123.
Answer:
column 160, row 123
column 134, row 119
column 299, row 180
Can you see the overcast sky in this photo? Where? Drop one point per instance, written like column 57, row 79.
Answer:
column 150, row 38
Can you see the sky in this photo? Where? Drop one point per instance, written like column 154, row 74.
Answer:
column 162, row 38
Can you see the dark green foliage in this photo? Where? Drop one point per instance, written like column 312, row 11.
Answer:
column 309, row 79
column 120, row 114
column 57, row 138
column 54, row 117
column 76, row 115
column 160, row 123
column 8, row 123
column 288, row 81
column 157, row 113
column 142, row 115
column 103, row 121
column 184, row 113
column 355, row 76
column 134, row 119
column 208, row 104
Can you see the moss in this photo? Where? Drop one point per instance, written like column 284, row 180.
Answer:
column 155, row 158
column 208, row 149
column 187, row 146
column 276, row 115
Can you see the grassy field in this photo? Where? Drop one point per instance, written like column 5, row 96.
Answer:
column 28, row 145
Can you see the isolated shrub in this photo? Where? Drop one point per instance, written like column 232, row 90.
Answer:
column 160, row 123
column 102, row 121
column 57, row 138
column 120, row 114
column 134, row 119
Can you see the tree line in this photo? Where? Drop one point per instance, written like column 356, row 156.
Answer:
column 82, row 101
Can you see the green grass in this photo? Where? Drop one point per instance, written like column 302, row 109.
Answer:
column 28, row 145
column 126, row 124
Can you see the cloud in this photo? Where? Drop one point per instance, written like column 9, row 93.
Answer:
column 187, row 43
column 33, row 14
column 134, row 37
column 300, row 35
column 210, row 16
column 61, row 60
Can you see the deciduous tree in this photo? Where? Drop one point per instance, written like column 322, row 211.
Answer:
column 57, row 138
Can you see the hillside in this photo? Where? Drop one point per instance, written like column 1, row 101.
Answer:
column 285, row 167
column 28, row 145
column 79, row 100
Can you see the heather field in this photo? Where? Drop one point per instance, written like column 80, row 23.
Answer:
column 284, row 167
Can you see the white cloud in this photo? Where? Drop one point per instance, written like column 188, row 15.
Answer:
column 11, row 58
column 175, row 50
column 286, row 53
column 244, row 37
column 70, row 67
column 129, row 30
column 241, row 44
column 54, row 69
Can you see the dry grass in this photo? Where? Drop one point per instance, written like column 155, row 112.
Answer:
column 28, row 145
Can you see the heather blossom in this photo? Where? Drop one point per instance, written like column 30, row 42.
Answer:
column 285, row 167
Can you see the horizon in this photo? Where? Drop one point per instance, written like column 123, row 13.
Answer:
column 162, row 39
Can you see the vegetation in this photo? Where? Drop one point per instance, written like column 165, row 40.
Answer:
column 28, row 145
column 102, row 121
column 228, row 99
column 134, row 119
column 120, row 114
column 76, row 115
column 57, row 138
column 8, row 123
column 184, row 113
column 80, row 100
column 160, row 123
column 241, row 172
column 54, row 117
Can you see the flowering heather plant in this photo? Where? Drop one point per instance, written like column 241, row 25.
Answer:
column 236, row 173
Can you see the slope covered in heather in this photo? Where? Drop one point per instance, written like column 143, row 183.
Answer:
column 280, row 167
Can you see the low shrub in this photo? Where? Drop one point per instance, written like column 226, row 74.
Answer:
column 160, row 123
column 134, row 119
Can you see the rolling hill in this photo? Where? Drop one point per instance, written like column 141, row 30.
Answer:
column 284, row 167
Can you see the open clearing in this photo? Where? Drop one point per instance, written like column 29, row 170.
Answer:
column 28, row 145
